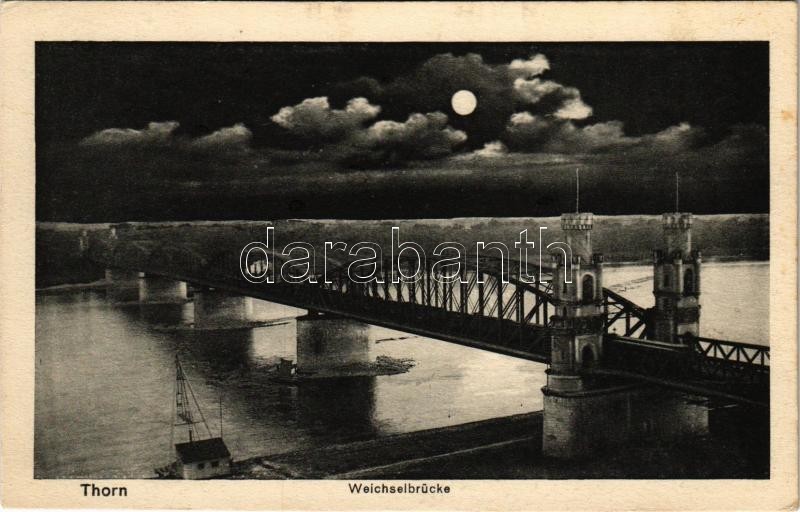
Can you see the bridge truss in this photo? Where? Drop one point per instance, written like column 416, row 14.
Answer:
column 489, row 307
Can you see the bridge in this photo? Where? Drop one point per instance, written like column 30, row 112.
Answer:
column 511, row 318
column 608, row 339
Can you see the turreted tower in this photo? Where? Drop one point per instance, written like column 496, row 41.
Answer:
column 676, row 282
column 577, row 338
column 585, row 413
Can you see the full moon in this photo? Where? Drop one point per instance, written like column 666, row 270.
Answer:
column 464, row 102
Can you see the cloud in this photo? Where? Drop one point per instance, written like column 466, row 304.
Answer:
column 535, row 65
column 155, row 133
column 314, row 119
column 421, row 136
column 553, row 134
column 532, row 91
column 551, row 98
column 521, row 114
column 494, row 149
column 232, row 138
column 527, row 132
column 674, row 139
column 345, row 135
column 502, row 89
column 164, row 135
column 747, row 145
column 573, row 108
column 160, row 150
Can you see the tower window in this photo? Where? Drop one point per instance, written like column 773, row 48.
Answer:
column 688, row 282
column 588, row 288
column 587, row 357
column 665, row 279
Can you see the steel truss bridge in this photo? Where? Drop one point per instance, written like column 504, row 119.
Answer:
column 482, row 310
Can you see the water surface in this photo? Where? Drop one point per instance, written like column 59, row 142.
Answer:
column 105, row 376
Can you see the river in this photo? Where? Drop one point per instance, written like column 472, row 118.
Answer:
column 105, row 374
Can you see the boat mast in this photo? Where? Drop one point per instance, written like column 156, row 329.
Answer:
column 184, row 396
column 173, row 413
column 184, row 410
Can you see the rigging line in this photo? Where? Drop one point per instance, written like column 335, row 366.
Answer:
column 202, row 417
column 173, row 417
column 185, row 411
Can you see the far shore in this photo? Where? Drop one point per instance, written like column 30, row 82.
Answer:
column 101, row 284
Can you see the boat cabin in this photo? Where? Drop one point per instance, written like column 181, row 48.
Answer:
column 207, row 458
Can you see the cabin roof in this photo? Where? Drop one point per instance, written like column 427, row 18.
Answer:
column 206, row 449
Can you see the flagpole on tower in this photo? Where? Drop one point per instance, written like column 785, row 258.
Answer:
column 577, row 190
column 677, row 192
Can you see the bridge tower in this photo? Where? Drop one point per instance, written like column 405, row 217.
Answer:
column 578, row 290
column 586, row 414
column 572, row 406
column 676, row 282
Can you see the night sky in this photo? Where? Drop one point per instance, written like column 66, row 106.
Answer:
column 174, row 131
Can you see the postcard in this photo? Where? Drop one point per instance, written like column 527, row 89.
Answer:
column 399, row 256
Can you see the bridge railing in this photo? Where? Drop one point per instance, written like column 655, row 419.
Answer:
column 729, row 368
column 743, row 353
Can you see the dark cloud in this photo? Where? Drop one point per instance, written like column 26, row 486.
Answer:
column 501, row 90
column 746, row 146
column 521, row 110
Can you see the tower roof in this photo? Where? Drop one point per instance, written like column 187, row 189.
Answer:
column 577, row 221
column 677, row 220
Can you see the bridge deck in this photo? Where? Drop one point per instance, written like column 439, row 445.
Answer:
column 491, row 310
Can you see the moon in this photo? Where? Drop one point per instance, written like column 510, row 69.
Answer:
column 464, row 102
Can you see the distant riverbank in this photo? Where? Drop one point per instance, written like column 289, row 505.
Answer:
column 622, row 239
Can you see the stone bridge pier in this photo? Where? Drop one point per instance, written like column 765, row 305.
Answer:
column 122, row 285
column 161, row 290
column 589, row 418
column 326, row 342
column 218, row 309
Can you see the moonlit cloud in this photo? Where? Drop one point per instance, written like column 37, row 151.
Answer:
column 529, row 133
column 346, row 136
column 155, row 133
column 573, row 108
column 494, row 149
column 429, row 132
column 532, row 91
column 502, row 89
column 535, row 65
column 521, row 111
column 314, row 118
column 236, row 137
